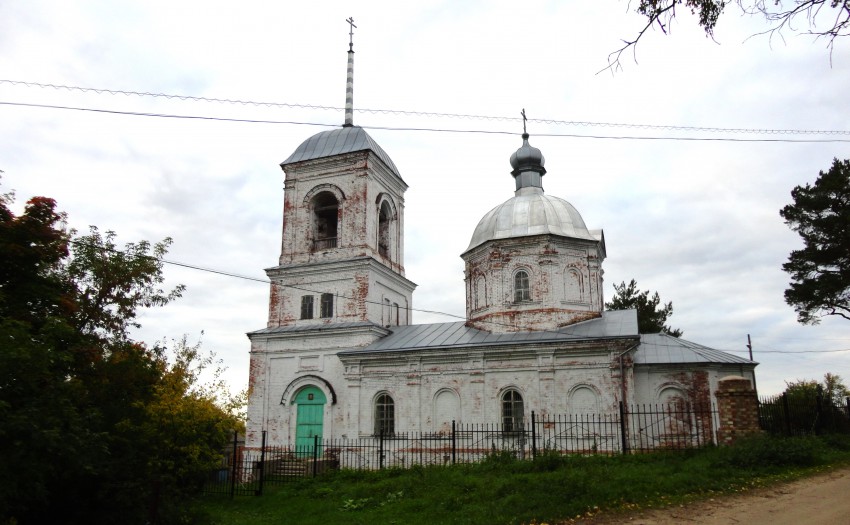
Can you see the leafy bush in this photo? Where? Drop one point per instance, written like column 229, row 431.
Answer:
column 763, row 451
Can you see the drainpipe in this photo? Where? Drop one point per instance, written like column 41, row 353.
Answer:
column 622, row 372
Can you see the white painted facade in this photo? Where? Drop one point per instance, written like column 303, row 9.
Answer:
column 542, row 344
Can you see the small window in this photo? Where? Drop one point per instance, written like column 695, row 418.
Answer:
column 306, row 307
column 395, row 310
column 387, row 312
column 327, row 305
column 384, row 415
column 512, row 411
column 521, row 289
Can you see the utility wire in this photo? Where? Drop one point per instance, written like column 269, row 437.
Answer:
column 410, row 309
column 707, row 129
column 389, row 128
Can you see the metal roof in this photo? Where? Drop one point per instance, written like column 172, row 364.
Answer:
column 337, row 142
column 658, row 349
column 530, row 212
column 314, row 327
column 456, row 335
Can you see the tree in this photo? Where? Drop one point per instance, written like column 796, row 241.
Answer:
column 832, row 389
column 94, row 427
column 779, row 14
column 820, row 272
column 651, row 317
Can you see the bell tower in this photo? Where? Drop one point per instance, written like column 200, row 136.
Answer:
column 342, row 249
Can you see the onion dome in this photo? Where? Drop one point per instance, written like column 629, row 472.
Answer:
column 530, row 211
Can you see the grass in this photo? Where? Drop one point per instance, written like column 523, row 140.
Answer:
column 503, row 490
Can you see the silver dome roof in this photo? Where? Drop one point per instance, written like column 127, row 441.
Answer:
column 347, row 139
column 531, row 212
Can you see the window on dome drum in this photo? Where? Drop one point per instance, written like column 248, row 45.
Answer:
column 306, row 307
column 327, row 305
column 395, row 310
column 325, row 218
column 384, row 230
column 512, row 411
column 521, row 289
column 384, row 415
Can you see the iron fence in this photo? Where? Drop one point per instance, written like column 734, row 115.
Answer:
column 638, row 428
column 804, row 415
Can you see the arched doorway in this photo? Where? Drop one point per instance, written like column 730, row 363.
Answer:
column 310, row 404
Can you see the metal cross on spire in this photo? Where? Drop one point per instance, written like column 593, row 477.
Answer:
column 350, row 21
column 524, row 119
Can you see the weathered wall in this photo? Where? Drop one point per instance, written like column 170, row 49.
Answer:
column 565, row 281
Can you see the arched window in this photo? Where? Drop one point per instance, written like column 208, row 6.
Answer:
column 512, row 411
column 384, row 415
column 325, row 219
column 522, row 292
column 384, row 218
column 327, row 305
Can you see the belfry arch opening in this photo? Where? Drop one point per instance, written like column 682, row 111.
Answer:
column 325, row 221
column 384, row 219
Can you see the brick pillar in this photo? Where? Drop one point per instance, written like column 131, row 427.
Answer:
column 737, row 405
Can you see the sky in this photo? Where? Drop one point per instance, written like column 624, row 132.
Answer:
column 687, row 211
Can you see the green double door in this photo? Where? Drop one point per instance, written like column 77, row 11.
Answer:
column 310, row 402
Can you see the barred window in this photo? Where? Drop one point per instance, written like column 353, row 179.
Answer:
column 512, row 411
column 327, row 305
column 384, row 415
column 521, row 289
column 306, row 307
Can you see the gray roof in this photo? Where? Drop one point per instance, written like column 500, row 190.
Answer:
column 314, row 327
column 666, row 349
column 336, row 142
column 531, row 212
column 455, row 335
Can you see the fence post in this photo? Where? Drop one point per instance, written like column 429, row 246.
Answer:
column 233, row 470
column 623, row 428
column 315, row 454
column 533, row 436
column 262, row 464
column 381, row 449
column 454, row 439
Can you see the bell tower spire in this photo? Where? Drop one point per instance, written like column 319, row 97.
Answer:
column 349, row 83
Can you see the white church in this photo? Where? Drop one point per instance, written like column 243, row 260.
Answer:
column 339, row 357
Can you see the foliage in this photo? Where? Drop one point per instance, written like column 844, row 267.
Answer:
column 832, row 388
column 651, row 316
column 820, row 272
column 112, row 284
column 780, row 15
column 552, row 488
column 95, row 427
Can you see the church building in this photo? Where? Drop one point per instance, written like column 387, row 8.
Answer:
column 340, row 358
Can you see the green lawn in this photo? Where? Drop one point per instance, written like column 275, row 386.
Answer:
column 506, row 491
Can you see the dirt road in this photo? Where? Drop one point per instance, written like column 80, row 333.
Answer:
column 821, row 499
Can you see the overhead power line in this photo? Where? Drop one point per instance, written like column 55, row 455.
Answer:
column 410, row 309
column 431, row 114
column 437, row 130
